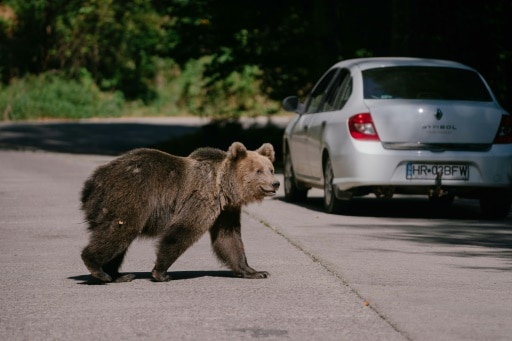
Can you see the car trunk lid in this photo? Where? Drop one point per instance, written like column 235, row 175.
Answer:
column 424, row 124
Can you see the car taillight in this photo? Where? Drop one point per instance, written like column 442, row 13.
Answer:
column 504, row 134
column 361, row 127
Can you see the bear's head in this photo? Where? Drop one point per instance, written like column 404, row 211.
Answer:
column 254, row 171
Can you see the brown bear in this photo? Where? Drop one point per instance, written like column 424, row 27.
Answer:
column 149, row 193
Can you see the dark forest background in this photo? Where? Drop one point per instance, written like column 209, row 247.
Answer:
column 71, row 58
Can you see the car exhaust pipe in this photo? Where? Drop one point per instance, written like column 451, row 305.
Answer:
column 384, row 192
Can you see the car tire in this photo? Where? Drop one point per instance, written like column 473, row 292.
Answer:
column 495, row 204
column 331, row 203
column 292, row 191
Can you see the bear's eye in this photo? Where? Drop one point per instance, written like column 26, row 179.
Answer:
column 259, row 171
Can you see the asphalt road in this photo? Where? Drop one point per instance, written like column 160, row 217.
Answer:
column 96, row 136
column 392, row 270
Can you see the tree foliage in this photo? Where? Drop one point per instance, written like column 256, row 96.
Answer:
column 236, row 54
column 116, row 41
column 293, row 42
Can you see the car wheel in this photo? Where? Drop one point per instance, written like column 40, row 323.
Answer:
column 292, row 192
column 331, row 203
column 495, row 204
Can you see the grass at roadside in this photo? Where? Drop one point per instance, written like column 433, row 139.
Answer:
column 53, row 95
column 50, row 96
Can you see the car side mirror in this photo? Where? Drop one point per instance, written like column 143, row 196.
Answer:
column 291, row 103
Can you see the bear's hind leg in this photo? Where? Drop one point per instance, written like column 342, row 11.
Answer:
column 112, row 269
column 104, row 255
column 93, row 264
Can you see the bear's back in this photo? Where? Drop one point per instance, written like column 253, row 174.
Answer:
column 208, row 154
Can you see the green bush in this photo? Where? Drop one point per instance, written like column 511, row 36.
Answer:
column 237, row 95
column 189, row 91
column 178, row 92
column 52, row 96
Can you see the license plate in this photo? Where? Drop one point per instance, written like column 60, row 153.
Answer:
column 427, row 171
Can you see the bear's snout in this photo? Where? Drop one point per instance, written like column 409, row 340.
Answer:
column 270, row 188
column 276, row 185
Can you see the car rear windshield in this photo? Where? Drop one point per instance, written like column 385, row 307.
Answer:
column 420, row 82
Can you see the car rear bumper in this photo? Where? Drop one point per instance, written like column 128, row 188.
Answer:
column 369, row 164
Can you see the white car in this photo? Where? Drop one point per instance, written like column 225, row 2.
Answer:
column 400, row 126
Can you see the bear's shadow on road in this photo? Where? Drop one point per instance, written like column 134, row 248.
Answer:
column 175, row 276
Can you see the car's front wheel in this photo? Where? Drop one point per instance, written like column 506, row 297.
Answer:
column 495, row 204
column 292, row 191
column 331, row 203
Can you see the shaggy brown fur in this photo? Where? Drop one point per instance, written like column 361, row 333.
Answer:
column 176, row 199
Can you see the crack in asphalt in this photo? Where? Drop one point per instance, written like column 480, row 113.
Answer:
column 325, row 265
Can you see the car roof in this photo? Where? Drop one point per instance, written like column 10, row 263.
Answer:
column 376, row 62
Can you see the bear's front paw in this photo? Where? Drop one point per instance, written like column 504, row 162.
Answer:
column 160, row 276
column 256, row 274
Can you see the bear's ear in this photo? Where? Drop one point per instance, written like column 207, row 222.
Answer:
column 237, row 151
column 267, row 150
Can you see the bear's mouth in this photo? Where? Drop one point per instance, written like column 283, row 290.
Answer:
column 268, row 191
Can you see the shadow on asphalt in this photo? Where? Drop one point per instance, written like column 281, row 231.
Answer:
column 400, row 207
column 115, row 138
column 175, row 275
column 88, row 138
column 464, row 227
column 459, row 224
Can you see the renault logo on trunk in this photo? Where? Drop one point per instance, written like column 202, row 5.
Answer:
column 439, row 114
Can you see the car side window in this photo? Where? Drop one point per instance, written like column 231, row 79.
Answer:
column 333, row 91
column 319, row 93
column 343, row 91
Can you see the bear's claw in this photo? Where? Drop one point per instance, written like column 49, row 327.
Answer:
column 160, row 276
column 256, row 275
